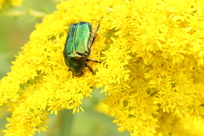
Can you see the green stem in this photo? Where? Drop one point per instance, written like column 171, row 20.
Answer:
column 65, row 123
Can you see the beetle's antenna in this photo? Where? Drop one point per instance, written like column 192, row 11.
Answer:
column 98, row 25
column 95, row 34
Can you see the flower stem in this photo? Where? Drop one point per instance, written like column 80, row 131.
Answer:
column 66, row 120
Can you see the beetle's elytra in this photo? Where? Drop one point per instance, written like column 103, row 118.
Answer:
column 78, row 47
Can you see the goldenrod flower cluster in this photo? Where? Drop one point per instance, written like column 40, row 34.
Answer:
column 152, row 70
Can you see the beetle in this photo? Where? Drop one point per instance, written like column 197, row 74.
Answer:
column 78, row 47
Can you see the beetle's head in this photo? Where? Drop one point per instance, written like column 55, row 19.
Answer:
column 76, row 63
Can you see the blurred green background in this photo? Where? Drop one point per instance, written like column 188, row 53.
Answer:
column 16, row 24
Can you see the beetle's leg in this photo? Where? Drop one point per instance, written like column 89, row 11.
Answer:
column 93, row 60
column 89, row 68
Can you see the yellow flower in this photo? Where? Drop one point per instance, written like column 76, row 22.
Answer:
column 16, row 2
column 13, row 3
column 152, row 66
column 1, row 3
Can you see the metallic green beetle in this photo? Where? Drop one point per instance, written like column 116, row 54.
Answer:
column 78, row 47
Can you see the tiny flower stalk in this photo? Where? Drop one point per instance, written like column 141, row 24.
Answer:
column 151, row 69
